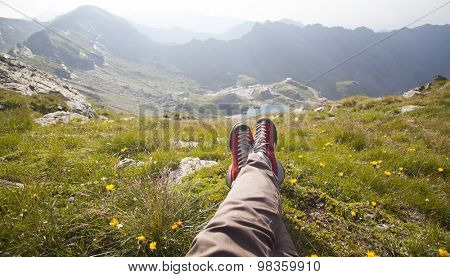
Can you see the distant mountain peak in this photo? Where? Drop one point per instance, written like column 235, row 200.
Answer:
column 292, row 22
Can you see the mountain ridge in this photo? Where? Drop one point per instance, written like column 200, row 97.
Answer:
column 270, row 52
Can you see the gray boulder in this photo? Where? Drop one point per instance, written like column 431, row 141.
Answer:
column 409, row 108
column 60, row 117
column 188, row 165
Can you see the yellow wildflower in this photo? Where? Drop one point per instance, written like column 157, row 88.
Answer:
column 152, row 245
column 328, row 144
column 141, row 238
column 350, row 155
column 376, row 163
column 179, row 223
column 371, row 253
column 322, row 164
column 440, row 169
column 443, row 253
column 322, row 131
column 282, row 148
column 300, row 156
column 110, row 187
column 341, row 174
column 123, row 149
column 174, row 227
column 387, row 173
column 353, row 213
column 114, row 222
column 400, row 169
column 373, row 203
column 314, row 256
column 293, row 181
column 411, row 149
column 35, row 195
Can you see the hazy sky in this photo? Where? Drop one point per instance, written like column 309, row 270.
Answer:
column 375, row 14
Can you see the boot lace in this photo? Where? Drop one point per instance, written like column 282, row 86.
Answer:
column 261, row 139
column 244, row 147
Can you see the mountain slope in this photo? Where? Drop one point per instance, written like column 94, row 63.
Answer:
column 14, row 31
column 114, row 65
column 274, row 51
column 96, row 29
column 178, row 35
column 170, row 36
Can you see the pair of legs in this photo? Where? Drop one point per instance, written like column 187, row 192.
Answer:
column 248, row 222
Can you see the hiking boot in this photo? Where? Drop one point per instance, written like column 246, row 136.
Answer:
column 241, row 142
column 265, row 141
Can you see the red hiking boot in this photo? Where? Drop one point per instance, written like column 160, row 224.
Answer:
column 241, row 142
column 265, row 141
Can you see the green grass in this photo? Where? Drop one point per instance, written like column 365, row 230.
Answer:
column 64, row 208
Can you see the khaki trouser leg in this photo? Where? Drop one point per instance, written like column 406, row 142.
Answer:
column 248, row 222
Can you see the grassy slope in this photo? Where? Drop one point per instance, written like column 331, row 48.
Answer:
column 64, row 208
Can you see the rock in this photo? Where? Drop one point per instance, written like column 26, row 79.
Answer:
column 2, row 107
column 412, row 93
column 60, row 117
column 102, row 118
column 299, row 110
column 185, row 144
column 11, row 184
column 383, row 226
column 128, row 162
column 438, row 78
column 428, row 86
column 27, row 80
column 319, row 109
column 188, row 165
column 131, row 118
column 369, row 217
column 409, row 108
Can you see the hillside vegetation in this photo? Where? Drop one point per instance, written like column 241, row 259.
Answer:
column 360, row 176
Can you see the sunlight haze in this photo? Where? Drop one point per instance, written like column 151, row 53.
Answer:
column 378, row 15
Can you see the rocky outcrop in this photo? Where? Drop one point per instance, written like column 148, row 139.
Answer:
column 412, row 93
column 60, row 117
column 17, row 76
column 187, row 166
column 438, row 78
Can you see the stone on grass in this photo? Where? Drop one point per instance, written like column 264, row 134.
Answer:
column 128, row 162
column 409, row 108
column 188, row 165
column 60, row 117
